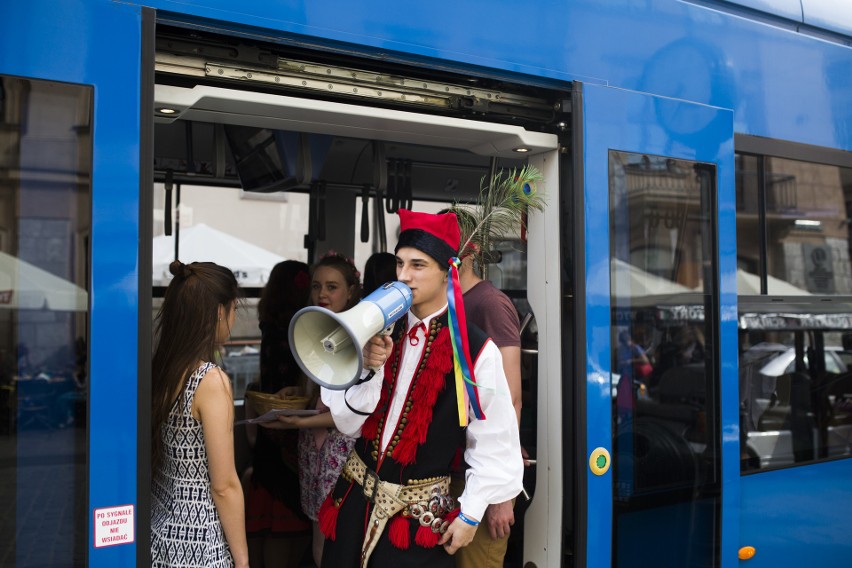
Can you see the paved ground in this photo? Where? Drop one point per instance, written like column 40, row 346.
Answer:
column 42, row 484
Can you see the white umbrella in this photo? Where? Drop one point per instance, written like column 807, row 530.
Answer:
column 250, row 263
column 749, row 284
column 27, row 287
column 633, row 282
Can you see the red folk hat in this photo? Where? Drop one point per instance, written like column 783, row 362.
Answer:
column 439, row 237
column 436, row 235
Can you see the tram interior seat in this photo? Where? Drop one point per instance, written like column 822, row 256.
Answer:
column 839, row 392
column 789, row 420
column 840, row 395
column 793, row 396
column 776, row 416
column 684, row 385
column 791, row 390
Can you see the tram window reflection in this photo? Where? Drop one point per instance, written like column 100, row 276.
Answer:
column 795, row 397
column 45, row 223
column 795, row 362
column 798, row 212
column 664, row 369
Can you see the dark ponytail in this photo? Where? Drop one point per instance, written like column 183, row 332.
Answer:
column 180, row 270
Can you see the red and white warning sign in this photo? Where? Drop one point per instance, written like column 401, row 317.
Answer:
column 114, row 525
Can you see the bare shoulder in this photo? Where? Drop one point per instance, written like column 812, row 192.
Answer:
column 214, row 387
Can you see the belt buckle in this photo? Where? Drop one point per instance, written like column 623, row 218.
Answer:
column 371, row 477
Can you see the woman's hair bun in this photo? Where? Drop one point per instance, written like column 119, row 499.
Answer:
column 177, row 268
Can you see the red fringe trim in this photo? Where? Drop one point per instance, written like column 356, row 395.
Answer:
column 328, row 518
column 399, row 533
column 426, row 538
column 430, row 383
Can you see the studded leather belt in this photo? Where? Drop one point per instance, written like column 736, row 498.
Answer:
column 426, row 500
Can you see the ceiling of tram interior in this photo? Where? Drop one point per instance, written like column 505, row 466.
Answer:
column 234, row 100
column 343, row 163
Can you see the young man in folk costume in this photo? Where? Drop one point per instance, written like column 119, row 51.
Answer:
column 391, row 505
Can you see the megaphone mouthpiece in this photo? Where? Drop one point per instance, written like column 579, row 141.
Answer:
column 336, row 340
column 328, row 346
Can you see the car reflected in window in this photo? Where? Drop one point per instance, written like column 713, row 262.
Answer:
column 789, row 413
column 783, row 359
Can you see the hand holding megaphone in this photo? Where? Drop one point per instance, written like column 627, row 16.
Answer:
column 378, row 349
column 332, row 349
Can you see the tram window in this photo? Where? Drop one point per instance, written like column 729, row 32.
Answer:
column 806, row 211
column 796, row 397
column 249, row 233
column 665, row 375
column 793, row 240
column 45, row 224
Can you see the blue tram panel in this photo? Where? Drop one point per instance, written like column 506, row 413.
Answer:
column 745, row 61
column 781, row 84
column 96, row 45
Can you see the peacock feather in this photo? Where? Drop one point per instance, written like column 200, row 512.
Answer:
column 504, row 200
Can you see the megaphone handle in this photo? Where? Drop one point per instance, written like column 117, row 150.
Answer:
column 385, row 332
column 369, row 376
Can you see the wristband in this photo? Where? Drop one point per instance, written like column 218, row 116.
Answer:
column 465, row 519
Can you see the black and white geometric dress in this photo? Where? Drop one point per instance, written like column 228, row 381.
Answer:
column 185, row 527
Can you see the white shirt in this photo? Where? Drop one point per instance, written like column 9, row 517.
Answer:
column 493, row 452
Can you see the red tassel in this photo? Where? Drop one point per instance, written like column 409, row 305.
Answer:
column 451, row 516
column 328, row 518
column 426, row 538
column 399, row 533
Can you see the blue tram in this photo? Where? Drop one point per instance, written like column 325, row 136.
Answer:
column 687, row 289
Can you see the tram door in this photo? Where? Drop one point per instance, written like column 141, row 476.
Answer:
column 656, row 174
column 69, row 207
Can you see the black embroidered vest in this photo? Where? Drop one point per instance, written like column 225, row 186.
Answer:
column 427, row 438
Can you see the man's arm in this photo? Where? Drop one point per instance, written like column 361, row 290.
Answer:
column 500, row 517
column 512, row 369
column 493, row 454
column 495, row 470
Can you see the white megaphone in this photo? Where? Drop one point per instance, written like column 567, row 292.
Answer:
column 327, row 346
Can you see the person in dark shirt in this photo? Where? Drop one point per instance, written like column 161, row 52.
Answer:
column 493, row 312
column 278, row 530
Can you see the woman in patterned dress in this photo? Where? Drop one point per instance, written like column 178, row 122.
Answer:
column 197, row 517
column 335, row 285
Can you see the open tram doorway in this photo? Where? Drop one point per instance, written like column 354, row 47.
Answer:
column 300, row 152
